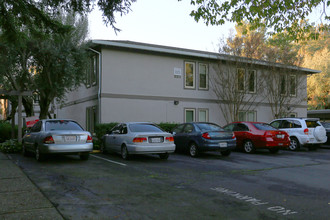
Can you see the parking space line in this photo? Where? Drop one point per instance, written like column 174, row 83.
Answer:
column 111, row 161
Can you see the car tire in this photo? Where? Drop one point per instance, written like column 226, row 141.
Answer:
column 193, row 150
column 294, row 144
column 225, row 153
column 124, row 152
column 273, row 150
column 164, row 156
column 84, row 156
column 38, row 155
column 248, row 147
column 320, row 133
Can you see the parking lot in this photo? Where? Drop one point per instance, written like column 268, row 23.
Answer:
column 287, row 185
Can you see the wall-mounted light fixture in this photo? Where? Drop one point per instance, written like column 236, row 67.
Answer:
column 176, row 102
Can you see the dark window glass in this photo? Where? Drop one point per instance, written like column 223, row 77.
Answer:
column 312, row 124
column 144, row 128
column 36, row 127
column 209, row 127
column 229, row 127
column 178, row 129
column 188, row 128
column 264, row 127
column 62, row 125
column 241, row 127
column 276, row 124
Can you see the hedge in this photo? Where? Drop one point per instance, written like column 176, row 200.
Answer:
column 5, row 131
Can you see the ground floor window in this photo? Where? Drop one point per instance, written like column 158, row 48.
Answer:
column 247, row 116
column 203, row 115
column 91, row 118
column 189, row 114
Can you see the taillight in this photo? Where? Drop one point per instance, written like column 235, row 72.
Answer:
column 206, row 135
column 170, row 139
column 139, row 139
column 89, row 139
column 306, row 131
column 233, row 137
column 49, row 140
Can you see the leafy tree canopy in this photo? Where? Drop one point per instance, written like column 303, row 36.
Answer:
column 277, row 14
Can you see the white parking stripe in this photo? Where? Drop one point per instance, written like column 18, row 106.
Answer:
column 111, row 161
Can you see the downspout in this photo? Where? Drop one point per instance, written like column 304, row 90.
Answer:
column 99, row 83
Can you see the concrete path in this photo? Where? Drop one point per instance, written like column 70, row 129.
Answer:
column 19, row 197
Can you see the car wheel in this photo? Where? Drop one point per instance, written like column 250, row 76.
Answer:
column 225, row 153
column 164, row 156
column 124, row 152
column 38, row 155
column 193, row 150
column 84, row 156
column 294, row 144
column 273, row 150
column 248, row 147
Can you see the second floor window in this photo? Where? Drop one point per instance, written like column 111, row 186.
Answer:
column 203, row 76
column 92, row 71
column 241, row 79
column 293, row 85
column 189, row 75
column 282, row 84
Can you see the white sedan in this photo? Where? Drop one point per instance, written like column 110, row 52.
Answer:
column 138, row 138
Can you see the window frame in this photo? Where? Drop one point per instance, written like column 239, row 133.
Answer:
column 285, row 85
column 295, row 85
column 206, row 76
column 246, row 115
column 238, row 78
column 193, row 75
column 206, row 114
column 254, row 81
column 185, row 114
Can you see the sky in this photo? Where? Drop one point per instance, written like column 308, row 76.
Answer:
column 161, row 22
column 164, row 22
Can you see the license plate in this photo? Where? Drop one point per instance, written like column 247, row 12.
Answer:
column 280, row 136
column 280, row 144
column 70, row 138
column 155, row 140
column 223, row 144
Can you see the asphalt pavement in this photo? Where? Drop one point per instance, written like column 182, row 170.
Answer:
column 20, row 198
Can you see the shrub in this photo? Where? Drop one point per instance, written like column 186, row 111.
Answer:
column 100, row 130
column 10, row 146
column 5, row 131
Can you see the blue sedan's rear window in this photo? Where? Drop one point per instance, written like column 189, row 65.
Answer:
column 209, row 127
column 144, row 128
column 62, row 125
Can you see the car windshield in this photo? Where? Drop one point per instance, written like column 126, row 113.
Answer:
column 312, row 124
column 209, row 127
column 144, row 128
column 264, row 127
column 62, row 125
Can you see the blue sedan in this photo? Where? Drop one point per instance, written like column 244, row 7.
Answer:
column 196, row 137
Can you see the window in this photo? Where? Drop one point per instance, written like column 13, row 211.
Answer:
column 252, row 81
column 292, row 85
column 203, row 115
column 189, row 115
column 282, row 84
column 92, row 71
column 247, row 116
column 241, row 79
column 188, row 128
column 90, row 118
column 203, row 76
column 240, row 127
column 189, row 75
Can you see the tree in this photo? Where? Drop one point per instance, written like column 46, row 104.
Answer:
column 236, row 87
column 33, row 13
column 277, row 14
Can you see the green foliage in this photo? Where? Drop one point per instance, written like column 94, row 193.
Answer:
column 100, row 130
column 10, row 146
column 5, row 131
column 277, row 14
column 168, row 127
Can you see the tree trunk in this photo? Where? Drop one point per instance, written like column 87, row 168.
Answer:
column 28, row 106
